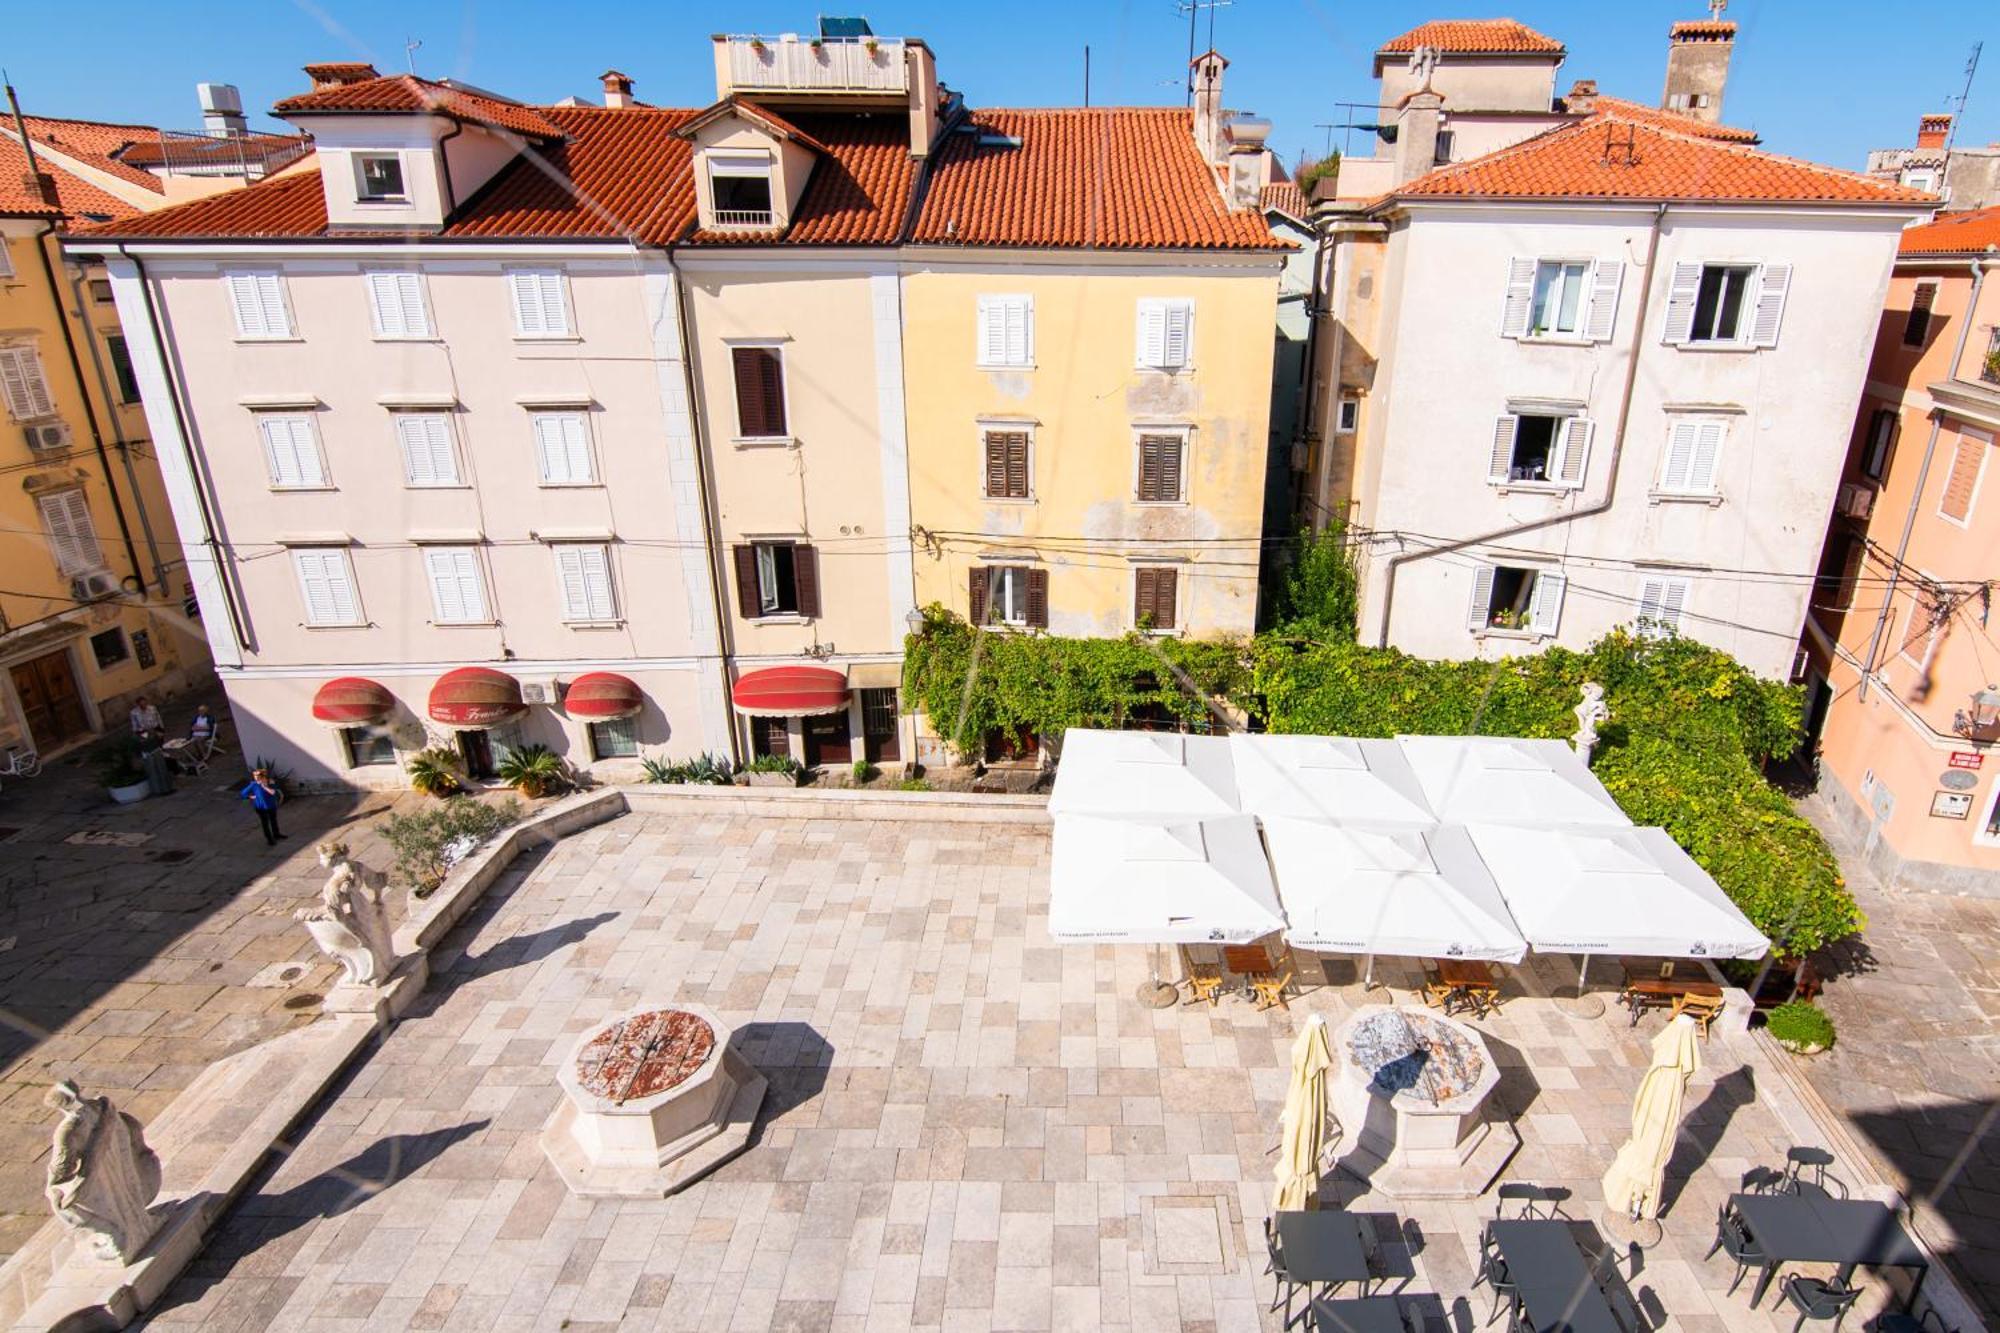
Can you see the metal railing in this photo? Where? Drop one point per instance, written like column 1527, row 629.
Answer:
column 198, row 153
column 797, row 63
column 743, row 217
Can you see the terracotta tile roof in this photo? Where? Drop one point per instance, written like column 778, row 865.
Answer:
column 341, row 71
column 623, row 171
column 859, row 190
column 76, row 199
column 1671, row 120
column 762, row 115
column 1286, row 198
column 1473, row 36
column 1715, row 28
column 409, row 94
column 1589, row 160
column 96, row 143
column 1100, row 177
column 1968, row 233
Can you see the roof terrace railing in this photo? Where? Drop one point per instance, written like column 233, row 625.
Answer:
column 791, row 63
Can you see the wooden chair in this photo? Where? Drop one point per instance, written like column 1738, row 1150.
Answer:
column 1702, row 1008
column 1267, row 978
column 1204, row 983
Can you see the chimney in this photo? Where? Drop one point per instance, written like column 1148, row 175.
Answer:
column 1932, row 131
column 1246, row 161
column 221, row 110
column 336, row 73
column 1417, row 135
column 1698, row 66
column 617, row 89
column 1582, row 99
column 1206, row 72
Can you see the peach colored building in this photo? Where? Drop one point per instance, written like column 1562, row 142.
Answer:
column 1903, row 648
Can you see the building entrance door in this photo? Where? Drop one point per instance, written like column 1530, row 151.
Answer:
column 50, row 703
column 476, row 748
column 827, row 740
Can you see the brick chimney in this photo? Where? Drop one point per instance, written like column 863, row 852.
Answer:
column 1582, row 99
column 1932, row 131
column 1246, row 161
column 336, row 73
column 617, row 89
column 1698, row 54
column 1206, row 71
column 1417, row 129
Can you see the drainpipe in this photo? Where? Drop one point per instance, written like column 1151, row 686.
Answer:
column 711, row 547
column 118, row 437
column 1868, row 664
column 444, row 161
column 195, row 479
column 1396, row 562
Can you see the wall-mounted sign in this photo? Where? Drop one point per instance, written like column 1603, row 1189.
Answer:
column 1951, row 804
column 1967, row 759
column 1955, row 779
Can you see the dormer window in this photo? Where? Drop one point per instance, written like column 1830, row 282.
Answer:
column 381, row 177
column 740, row 186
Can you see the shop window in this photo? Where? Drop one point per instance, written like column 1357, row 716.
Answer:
column 367, row 746
column 109, row 648
column 614, row 738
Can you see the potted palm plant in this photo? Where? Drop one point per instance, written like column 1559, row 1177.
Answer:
column 123, row 776
column 533, row 770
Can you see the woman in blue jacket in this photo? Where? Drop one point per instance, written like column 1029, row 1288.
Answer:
column 264, row 796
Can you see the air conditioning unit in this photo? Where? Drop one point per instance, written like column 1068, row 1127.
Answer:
column 1856, row 500
column 48, row 436
column 94, row 586
column 541, row 691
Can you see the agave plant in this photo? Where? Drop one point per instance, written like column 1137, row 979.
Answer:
column 434, row 771
column 533, row 770
column 773, row 763
column 658, row 770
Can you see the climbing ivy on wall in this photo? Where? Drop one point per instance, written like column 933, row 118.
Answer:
column 1690, row 727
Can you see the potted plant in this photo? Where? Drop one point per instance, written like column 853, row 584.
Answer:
column 434, row 771
column 1992, row 370
column 1801, row 1028
column 757, row 45
column 533, row 770
column 123, row 776
column 864, row 772
column 874, row 47
column 772, row 770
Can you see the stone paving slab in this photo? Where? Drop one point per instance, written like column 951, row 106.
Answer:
column 969, row 1126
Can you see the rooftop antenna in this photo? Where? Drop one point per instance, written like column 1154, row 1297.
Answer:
column 1971, row 68
column 410, row 46
column 1193, row 8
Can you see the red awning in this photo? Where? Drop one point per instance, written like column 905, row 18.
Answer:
column 790, row 691
column 473, row 697
column 598, row 696
column 352, row 701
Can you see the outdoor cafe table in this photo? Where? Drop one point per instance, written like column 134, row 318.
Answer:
column 1370, row 1314
column 1809, row 1228
column 1552, row 1278
column 1322, row 1246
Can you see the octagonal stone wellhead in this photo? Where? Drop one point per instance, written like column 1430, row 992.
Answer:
column 653, row 1099
column 1410, row 1089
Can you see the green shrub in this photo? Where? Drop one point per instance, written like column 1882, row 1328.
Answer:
column 533, row 770
column 773, row 763
column 1312, row 174
column 914, row 784
column 1801, row 1024
column 118, row 763
column 434, row 771
column 429, row 841
column 863, row 772
column 1318, row 598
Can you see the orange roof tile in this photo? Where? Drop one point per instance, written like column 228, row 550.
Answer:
column 859, row 190
column 76, row 198
column 1968, row 233
column 1671, row 120
column 751, row 111
column 1711, row 28
column 618, row 172
column 1474, row 36
column 1590, row 160
column 96, row 143
column 1100, row 177
column 1286, row 198
column 405, row 93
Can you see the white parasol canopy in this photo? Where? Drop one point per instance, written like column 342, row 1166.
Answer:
column 1625, row 891
column 1186, row 882
column 1502, row 780
column 1327, row 777
column 1155, row 775
column 1381, row 890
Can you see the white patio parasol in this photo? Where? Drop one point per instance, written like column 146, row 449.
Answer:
column 1503, row 780
column 1327, row 777
column 1155, row 775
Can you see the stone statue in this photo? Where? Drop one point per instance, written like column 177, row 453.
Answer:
column 1589, row 714
column 102, row 1176
column 1424, row 63
column 350, row 922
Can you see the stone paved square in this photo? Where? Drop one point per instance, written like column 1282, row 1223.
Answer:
column 969, row 1126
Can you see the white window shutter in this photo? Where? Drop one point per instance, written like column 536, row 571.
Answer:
column 457, row 592
column 1520, row 296
column 326, row 587
column 1679, row 463
column 396, row 299
column 1604, row 283
column 597, row 582
column 538, row 303
column 1681, row 294
column 1546, row 607
column 243, row 303
column 576, row 448
column 1672, row 601
column 1152, row 334
column 1503, row 449
column 27, row 389
column 992, row 331
column 575, row 592
column 1651, row 593
column 291, row 452
column 1179, row 346
column 271, row 297
column 72, row 534
column 1661, row 601
column 1482, row 598
column 1773, row 281
column 1006, row 330
column 562, row 448
column 425, row 438
column 1707, row 451
column 1020, row 344
column 1573, row 452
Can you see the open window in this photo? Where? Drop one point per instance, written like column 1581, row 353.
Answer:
column 379, row 178
column 1726, row 304
column 1563, row 300
column 739, row 184
column 1010, row 595
column 1516, row 599
column 776, row 578
column 1540, row 449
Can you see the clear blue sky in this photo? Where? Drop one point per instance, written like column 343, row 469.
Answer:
column 1825, row 81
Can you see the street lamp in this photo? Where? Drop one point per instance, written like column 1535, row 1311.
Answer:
column 1984, row 718
column 915, row 620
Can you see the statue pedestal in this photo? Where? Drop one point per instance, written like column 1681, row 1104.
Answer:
column 385, row 1003
column 110, row 1294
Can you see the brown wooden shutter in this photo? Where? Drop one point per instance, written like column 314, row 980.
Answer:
column 996, row 464
column 1956, row 503
column 805, row 578
column 746, row 581
column 1007, row 464
column 1038, row 598
column 1142, row 595
column 760, row 391
column 1170, row 468
column 1149, row 469
column 977, row 601
column 1159, row 468
column 1017, row 465
column 1166, row 587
